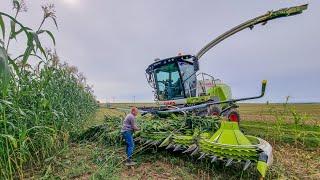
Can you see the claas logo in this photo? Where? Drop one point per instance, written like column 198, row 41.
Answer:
column 169, row 103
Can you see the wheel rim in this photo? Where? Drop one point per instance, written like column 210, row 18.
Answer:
column 233, row 117
column 215, row 114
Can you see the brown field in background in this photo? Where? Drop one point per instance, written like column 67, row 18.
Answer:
column 261, row 111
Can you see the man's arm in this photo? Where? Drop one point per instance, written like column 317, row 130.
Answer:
column 133, row 124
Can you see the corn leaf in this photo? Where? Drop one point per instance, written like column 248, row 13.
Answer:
column 26, row 54
column 8, row 103
column 41, row 127
column 14, row 34
column 55, row 22
column 11, row 139
column 13, row 28
column 14, row 65
column 38, row 44
column 50, row 34
column 25, row 29
column 4, row 68
column 2, row 26
column 34, row 55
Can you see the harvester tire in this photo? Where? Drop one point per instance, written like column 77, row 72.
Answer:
column 233, row 115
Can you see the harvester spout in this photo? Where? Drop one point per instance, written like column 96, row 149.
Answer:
column 263, row 87
column 270, row 15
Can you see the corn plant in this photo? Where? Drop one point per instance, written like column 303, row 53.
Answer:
column 41, row 104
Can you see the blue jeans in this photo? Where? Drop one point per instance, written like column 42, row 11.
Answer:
column 127, row 135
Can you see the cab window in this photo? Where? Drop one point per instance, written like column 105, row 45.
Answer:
column 189, row 78
column 168, row 82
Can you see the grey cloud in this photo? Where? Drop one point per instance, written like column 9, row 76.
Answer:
column 113, row 42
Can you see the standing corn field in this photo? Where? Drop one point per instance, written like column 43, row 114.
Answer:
column 42, row 103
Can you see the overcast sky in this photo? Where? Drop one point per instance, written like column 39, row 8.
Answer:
column 113, row 41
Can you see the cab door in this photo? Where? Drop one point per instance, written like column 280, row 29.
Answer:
column 169, row 83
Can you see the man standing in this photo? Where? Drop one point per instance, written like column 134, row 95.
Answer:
column 127, row 130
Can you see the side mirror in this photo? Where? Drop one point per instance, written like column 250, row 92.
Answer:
column 196, row 64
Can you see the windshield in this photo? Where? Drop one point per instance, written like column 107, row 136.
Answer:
column 189, row 78
column 168, row 82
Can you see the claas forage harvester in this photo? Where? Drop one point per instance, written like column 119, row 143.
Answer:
column 196, row 113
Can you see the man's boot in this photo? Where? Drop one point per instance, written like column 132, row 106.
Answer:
column 129, row 162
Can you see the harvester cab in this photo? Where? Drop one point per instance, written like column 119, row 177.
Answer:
column 173, row 78
column 176, row 78
column 176, row 82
